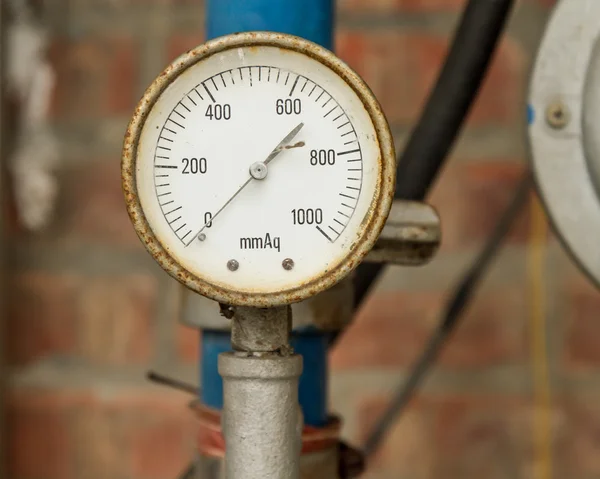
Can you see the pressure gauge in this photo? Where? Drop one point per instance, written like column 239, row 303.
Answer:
column 258, row 169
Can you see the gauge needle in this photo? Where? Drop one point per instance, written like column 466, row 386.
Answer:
column 257, row 171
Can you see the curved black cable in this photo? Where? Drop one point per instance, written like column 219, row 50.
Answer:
column 462, row 295
column 457, row 86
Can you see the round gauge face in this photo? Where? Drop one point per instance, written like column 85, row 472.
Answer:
column 258, row 169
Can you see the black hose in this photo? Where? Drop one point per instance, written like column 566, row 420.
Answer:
column 445, row 112
column 462, row 295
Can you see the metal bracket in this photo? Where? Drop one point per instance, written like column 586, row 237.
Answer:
column 411, row 236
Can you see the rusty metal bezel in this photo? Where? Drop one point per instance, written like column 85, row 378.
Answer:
column 370, row 227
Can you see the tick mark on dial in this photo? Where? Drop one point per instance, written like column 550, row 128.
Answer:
column 209, row 93
column 347, row 196
column 174, row 210
column 327, row 114
column 324, row 234
column 294, row 85
column 340, row 153
column 173, row 121
column 333, row 230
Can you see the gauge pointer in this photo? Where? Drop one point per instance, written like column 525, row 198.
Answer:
column 282, row 144
column 258, row 171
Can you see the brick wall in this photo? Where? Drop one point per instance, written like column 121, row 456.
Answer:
column 90, row 311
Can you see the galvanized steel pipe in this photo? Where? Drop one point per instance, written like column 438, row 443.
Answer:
column 262, row 422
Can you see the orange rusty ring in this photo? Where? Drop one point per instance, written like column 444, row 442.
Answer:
column 371, row 226
column 211, row 443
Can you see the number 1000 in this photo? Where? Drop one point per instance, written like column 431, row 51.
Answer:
column 307, row 216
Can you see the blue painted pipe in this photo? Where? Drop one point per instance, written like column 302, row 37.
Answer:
column 312, row 20
column 312, row 394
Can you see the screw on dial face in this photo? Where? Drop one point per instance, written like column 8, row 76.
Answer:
column 213, row 183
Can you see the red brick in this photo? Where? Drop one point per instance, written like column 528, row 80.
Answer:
column 160, row 432
column 162, row 446
column 188, row 344
column 392, row 329
column 383, row 59
column 138, row 433
column 180, row 43
column 409, row 448
column 39, row 437
column 453, row 437
column 117, row 319
column 101, row 447
column 42, row 318
column 401, row 69
column 501, row 97
column 104, row 319
column 580, row 439
column 92, row 207
column 582, row 335
column 96, row 76
column 471, row 197
column 503, row 92
column 404, row 6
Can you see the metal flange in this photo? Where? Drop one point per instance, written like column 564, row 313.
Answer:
column 411, row 235
column 563, row 130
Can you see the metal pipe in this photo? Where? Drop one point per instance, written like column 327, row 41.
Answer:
column 262, row 423
column 262, row 420
column 310, row 19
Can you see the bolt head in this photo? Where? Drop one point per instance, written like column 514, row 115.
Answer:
column 258, row 170
column 288, row 264
column 232, row 265
column 558, row 115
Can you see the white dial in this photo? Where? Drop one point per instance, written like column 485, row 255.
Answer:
column 257, row 169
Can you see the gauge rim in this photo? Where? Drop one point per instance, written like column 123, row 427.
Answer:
column 564, row 182
column 371, row 226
